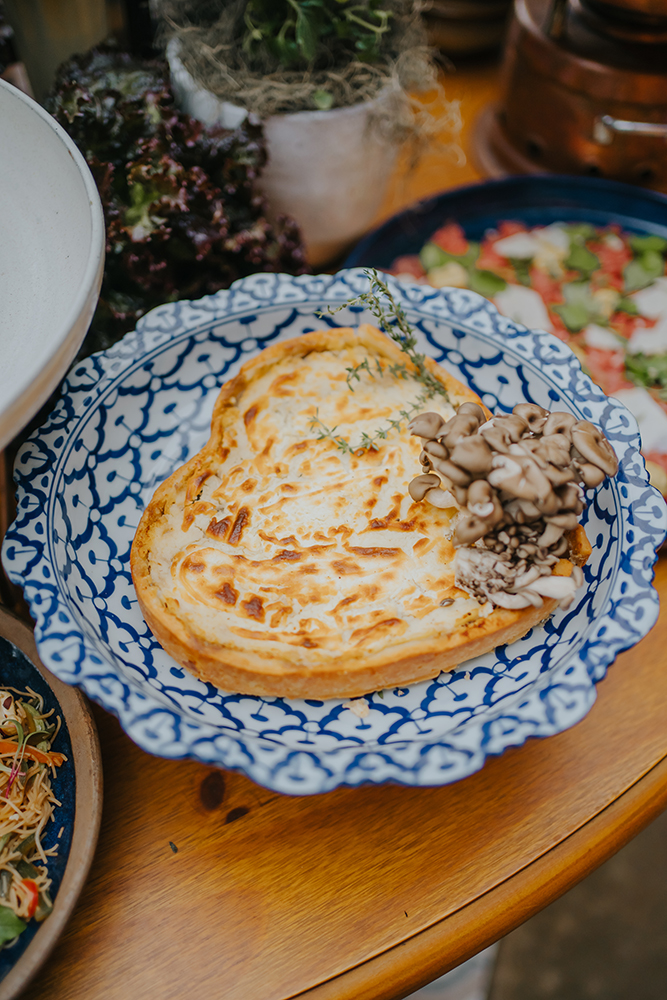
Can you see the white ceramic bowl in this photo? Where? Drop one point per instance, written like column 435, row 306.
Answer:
column 51, row 256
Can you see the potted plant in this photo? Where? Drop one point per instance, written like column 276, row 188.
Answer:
column 330, row 79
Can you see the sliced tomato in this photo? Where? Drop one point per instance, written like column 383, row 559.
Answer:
column 451, row 239
column 489, row 260
column 508, row 228
column 612, row 262
column 409, row 264
column 607, row 368
column 549, row 288
column 625, row 324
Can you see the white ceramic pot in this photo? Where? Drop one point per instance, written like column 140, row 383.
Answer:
column 329, row 170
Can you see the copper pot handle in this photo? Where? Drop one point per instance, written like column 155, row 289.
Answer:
column 605, row 126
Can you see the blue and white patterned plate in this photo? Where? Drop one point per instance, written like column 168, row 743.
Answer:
column 128, row 417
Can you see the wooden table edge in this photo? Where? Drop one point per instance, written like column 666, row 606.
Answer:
column 406, row 967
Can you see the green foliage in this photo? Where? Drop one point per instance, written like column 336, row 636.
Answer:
column 182, row 216
column 649, row 371
column 299, row 32
column 10, row 925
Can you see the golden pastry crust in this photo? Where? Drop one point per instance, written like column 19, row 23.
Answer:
column 275, row 563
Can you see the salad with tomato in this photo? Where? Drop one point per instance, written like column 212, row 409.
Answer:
column 600, row 289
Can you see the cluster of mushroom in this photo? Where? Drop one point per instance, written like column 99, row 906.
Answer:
column 517, row 480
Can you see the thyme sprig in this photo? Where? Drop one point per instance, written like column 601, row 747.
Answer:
column 400, row 331
column 368, row 442
column 395, row 324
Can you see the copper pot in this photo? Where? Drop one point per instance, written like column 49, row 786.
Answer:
column 581, row 102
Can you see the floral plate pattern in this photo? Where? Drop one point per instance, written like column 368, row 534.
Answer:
column 131, row 415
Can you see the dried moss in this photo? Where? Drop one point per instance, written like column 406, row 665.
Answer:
column 210, row 38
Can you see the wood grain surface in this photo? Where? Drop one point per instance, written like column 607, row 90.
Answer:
column 370, row 891
column 205, row 883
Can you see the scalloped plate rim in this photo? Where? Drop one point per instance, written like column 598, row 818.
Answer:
column 221, row 312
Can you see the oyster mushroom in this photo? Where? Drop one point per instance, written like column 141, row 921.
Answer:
column 522, row 511
column 554, row 448
column 461, row 494
column 559, row 422
column 566, row 521
column 560, row 587
column 502, row 432
column 462, row 425
column 519, row 477
column 591, row 475
column 559, row 477
column 496, row 437
column 515, row 425
column 472, row 454
column 512, row 601
column 560, row 549
column 570, row 498
column 551, row 534
column 452, row 472
column 483, row 502
column 481, row 494
column 420, row 485
column 436, row 449
column 549, row 505
column 591, row 443
column 426, row 425
column 469, row 530
column 534, row 415
column 474, row 409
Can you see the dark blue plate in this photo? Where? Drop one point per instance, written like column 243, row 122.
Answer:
column 534, row 200
column 77, row 785
column 16, row 671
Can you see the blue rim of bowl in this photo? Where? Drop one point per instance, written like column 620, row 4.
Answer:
column 27, row 561
column 538, row 199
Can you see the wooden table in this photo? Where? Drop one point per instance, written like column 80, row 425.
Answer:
column 362, row 894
